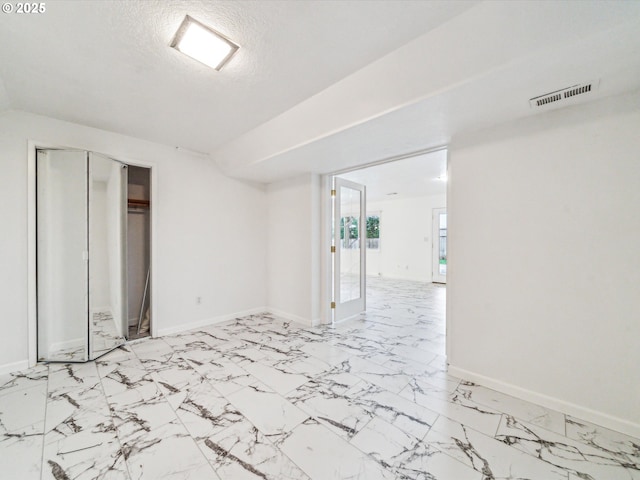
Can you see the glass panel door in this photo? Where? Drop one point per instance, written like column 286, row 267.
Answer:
column 349, row 258
column 440, row 245
column 62, row 253
column 107, row 271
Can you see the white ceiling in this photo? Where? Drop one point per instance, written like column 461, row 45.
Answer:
column 107, row 64
column 317, row 86
column 415, row 176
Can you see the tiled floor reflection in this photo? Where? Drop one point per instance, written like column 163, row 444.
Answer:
column 260, row 398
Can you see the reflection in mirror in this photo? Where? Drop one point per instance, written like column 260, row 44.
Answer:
column 106, row 247
column 62, row 255
column 349, row 244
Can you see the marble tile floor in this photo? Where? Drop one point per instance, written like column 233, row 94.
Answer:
column 262, row 398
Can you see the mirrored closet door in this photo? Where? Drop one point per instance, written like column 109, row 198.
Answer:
column 81, row 247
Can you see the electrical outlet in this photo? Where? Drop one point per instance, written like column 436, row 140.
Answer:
column 198, row 300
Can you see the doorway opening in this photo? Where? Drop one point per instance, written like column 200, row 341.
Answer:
column 399, row 236
column 139, row 253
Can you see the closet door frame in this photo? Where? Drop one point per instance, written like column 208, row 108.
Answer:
column 32, row 300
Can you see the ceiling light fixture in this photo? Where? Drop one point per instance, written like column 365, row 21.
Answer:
column 203, row 44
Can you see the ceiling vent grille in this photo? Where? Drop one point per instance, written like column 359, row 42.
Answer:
column 561, row 97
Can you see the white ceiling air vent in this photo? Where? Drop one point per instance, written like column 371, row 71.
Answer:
column 566, row 96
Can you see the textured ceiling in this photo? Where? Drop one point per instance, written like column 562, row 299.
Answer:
column 108, row 64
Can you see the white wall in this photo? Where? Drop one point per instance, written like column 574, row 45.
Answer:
column 544, row 270
column 405, row 237
column 293, row 238
column 209, row 230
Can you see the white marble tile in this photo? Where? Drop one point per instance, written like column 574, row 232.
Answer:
column 527, row 411
column 322, row 455
column 384, row 443
column 575, row 457
column 20, row 456
column 424, row 462
column 129, row 379
column 434, row 373
column 243, row 452
column 325, row 352
column 328, row 399
column 72, row 376
column 22, row 411
column 610, row 442
column 226, row 376
column 261, row 398
column 272, row 414
column 204, row 411
column 454, row 406
column 486, row 455
column 404, row 414
column 278, row 378
column 376, row 374
column 167, row 452
column 31, row 377
column 91, row 456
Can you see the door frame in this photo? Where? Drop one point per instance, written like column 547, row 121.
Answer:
column 435, row 244
column 32, row 301
column 326, row 209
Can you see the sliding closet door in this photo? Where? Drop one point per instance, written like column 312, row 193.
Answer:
column 107, row 250
column 62, row 253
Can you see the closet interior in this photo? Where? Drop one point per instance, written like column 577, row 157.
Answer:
column 139, row 252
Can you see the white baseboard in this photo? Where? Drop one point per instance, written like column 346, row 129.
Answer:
column 294, row 318
column 563, row 406
column 209, row 321
column 14, row 367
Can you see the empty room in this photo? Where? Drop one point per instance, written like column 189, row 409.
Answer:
column 309, row 239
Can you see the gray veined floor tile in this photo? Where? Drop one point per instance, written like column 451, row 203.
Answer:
column 375, row 374
column 72, row 376
column 31, row 377
column 454, row 406
column 21, row 455
column 322, row 455
column 22, row 411
column 243, row 452
column 167, row 452
column 261, row 398
column 527, row 411
column 204, row 411
column 225, row 375
column 328, row 399
column 280, row 379
column 271, row 413
column 610, row 442
column 577, row 458
column 488, row 456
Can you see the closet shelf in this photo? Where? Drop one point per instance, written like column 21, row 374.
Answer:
column 136, row 203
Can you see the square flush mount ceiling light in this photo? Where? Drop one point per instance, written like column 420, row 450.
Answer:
column 203, row 43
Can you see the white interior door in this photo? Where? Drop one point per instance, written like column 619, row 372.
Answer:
column 439, row 243
column 349, row 232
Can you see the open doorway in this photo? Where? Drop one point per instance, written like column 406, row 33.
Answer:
column 139, row 252
column 404, row 233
